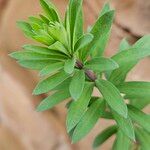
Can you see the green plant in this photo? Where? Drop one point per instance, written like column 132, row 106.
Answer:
column 72, row 64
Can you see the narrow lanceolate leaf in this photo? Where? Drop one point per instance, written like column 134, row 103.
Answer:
column 104, row 135
column 58, row 32
column 101, row 64
column 139, row 117
column 135, row 89
column 119, row 75
column 143, row 138
column 49, row 10
column 26, row 28
column 57, row 46
column 53, row 100
column 125, row 125
column 36, row 23
column 105, row 9
column 122, row 142
column 43, row 37
column 77, row 84
column 138, row 103
column 50, row 83
column 112, row 96
column 35, row 64
column 63, row 85
column 78, row 108
column 75, row 20
column 97, row 46
column 51, row 68
column 67, row 25
column 131, row 55
column 45, row 19
column 37, row 49
column 36, row 20
column 41, row 50
column 129, row 58
column 88, row 121
column 69, row 65
column 29, row 55
column 143, row 42
column 83, row 41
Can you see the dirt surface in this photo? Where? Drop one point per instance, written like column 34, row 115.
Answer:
column 21, row 127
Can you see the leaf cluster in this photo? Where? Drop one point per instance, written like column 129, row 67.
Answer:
column 72, row 64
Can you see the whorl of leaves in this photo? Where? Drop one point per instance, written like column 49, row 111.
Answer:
column 72, row 64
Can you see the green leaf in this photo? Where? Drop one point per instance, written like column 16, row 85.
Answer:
column 125, row 124
column 49, row 10
column 83, row 41
column 104, row 135
column 41, row 50
column 29, row 55
column 45, row 19
column 124, row 45
column 53, row 100
column 101, row 64
column 100, row 31
column 88, row 121
column 129, row 58
column 112, row 96
column 130, row 55
column 136, row 89
column 107, row 115
column 57, row 46
column 36, row 23
column 79, row 31
column 105, row 9
column 46, row 40
column 69, row 65
column 67, row 26
column 36, row 20
column 138, row 103
column 26, row 28
column 51, row 68
column 139, row 117
column 143, row 138
column 75, row 20
column 78, row 108
column 63, row 85
column 119, row 75
column 44, row 50
column 43, row 37
column 50, row 83
column 77, row 84
column 143, row 42
column 122, row 142
column 35, row 64
column 58, row 32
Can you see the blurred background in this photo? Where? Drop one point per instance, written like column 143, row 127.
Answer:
column 21, row 127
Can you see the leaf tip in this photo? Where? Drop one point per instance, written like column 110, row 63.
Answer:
column 12, row 55
column 36, row 91
column 39, row 108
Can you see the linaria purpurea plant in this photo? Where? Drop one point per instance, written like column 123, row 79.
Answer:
column 72, row 64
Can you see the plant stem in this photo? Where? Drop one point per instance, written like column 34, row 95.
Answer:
column 89, row 73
